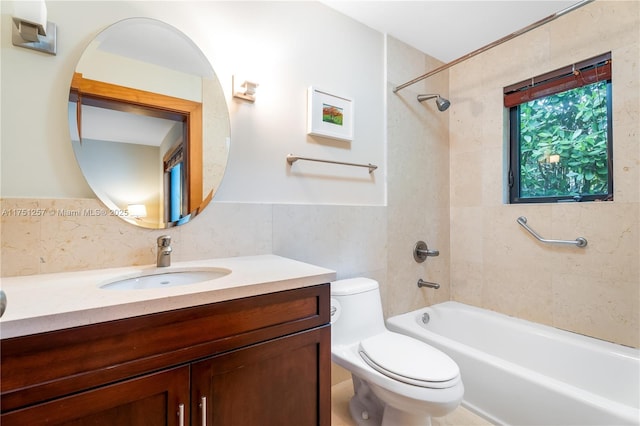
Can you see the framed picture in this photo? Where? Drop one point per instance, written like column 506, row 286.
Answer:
column 329, row 115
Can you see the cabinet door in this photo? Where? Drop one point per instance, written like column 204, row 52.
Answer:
column 156, row 399
column 281, row 382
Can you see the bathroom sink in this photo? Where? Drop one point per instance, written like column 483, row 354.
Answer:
column 173, row 278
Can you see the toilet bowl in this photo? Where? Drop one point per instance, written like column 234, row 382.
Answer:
column 397, row 380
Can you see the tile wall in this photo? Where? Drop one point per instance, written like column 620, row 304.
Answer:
column 495, row 264
column 350, row 240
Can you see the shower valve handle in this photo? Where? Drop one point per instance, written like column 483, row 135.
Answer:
column 421, row 252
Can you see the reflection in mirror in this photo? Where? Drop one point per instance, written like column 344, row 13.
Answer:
column 149, row 123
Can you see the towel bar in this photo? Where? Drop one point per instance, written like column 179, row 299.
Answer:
column 293, row 158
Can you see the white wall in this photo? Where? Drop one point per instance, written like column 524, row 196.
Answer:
column 107, row 67
column 284, row 46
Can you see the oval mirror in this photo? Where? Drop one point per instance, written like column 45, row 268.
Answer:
column 149, row 123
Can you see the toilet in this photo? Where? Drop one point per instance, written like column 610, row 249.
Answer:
column 397, row 380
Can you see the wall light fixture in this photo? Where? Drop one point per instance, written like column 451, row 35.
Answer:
column 137, row 210
column 30, row 28
column 244, row 89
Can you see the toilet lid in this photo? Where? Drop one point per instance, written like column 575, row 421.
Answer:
column 409, row 360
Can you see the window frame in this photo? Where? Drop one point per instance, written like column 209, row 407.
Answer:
column 514, row 154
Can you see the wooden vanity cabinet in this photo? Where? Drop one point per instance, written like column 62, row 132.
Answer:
column 262, row 360
column 275, row 383
column 154, row 399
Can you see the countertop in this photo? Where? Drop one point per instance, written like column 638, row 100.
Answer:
column 47, row 302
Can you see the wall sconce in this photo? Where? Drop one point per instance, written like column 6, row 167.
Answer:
column 30, row 28
column 137, row 210
column 244, row 89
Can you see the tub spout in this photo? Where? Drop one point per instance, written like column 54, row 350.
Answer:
column 423, row 283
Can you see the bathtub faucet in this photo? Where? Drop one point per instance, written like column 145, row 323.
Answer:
column 423, row 283
column 164, row 251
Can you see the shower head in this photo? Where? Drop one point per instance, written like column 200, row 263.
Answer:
column 441, row 102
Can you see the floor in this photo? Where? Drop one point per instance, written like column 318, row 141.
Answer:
column 341, row 394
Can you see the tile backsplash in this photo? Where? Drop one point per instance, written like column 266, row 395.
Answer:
column 60, row 235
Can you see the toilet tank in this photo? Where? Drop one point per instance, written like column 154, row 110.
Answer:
column 356, row 310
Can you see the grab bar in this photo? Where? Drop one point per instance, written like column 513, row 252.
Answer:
column 293, row 158
column 578, row 242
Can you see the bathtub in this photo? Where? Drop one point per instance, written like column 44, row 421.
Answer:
column 516, row 372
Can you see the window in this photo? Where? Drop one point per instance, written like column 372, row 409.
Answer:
column 560, row 135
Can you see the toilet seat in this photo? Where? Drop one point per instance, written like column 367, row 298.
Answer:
column 409, row 360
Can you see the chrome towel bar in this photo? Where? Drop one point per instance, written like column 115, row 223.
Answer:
column 578, row 242
column 293, row 158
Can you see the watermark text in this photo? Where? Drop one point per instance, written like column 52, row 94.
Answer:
column 42, row 212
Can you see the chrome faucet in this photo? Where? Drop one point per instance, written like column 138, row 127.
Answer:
column 423, row 283
column 164, row 251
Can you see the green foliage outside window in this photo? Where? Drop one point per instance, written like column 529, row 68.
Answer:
column 564, row 144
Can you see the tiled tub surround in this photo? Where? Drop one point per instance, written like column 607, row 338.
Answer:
column 495, row 264
column 446, row 186
column 417, row 181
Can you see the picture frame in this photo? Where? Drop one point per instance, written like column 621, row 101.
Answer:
column 329, row 116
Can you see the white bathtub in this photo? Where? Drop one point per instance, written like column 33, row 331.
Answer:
column 516, row 372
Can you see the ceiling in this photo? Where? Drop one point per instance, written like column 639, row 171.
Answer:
column 154, row 42
column 115, row 126
column 447, row 30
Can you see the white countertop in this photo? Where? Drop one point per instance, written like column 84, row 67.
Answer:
column 47, row 302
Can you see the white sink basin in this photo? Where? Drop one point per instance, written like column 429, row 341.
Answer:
column 172, row 278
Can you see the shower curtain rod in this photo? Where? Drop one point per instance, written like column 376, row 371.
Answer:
column 494, row 44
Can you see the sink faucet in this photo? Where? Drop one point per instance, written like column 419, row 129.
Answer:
column 164, row 251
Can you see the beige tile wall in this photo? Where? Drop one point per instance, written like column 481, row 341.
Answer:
column 495, row 263
column 65, row 238
column 417, row 182
column 348, row 239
